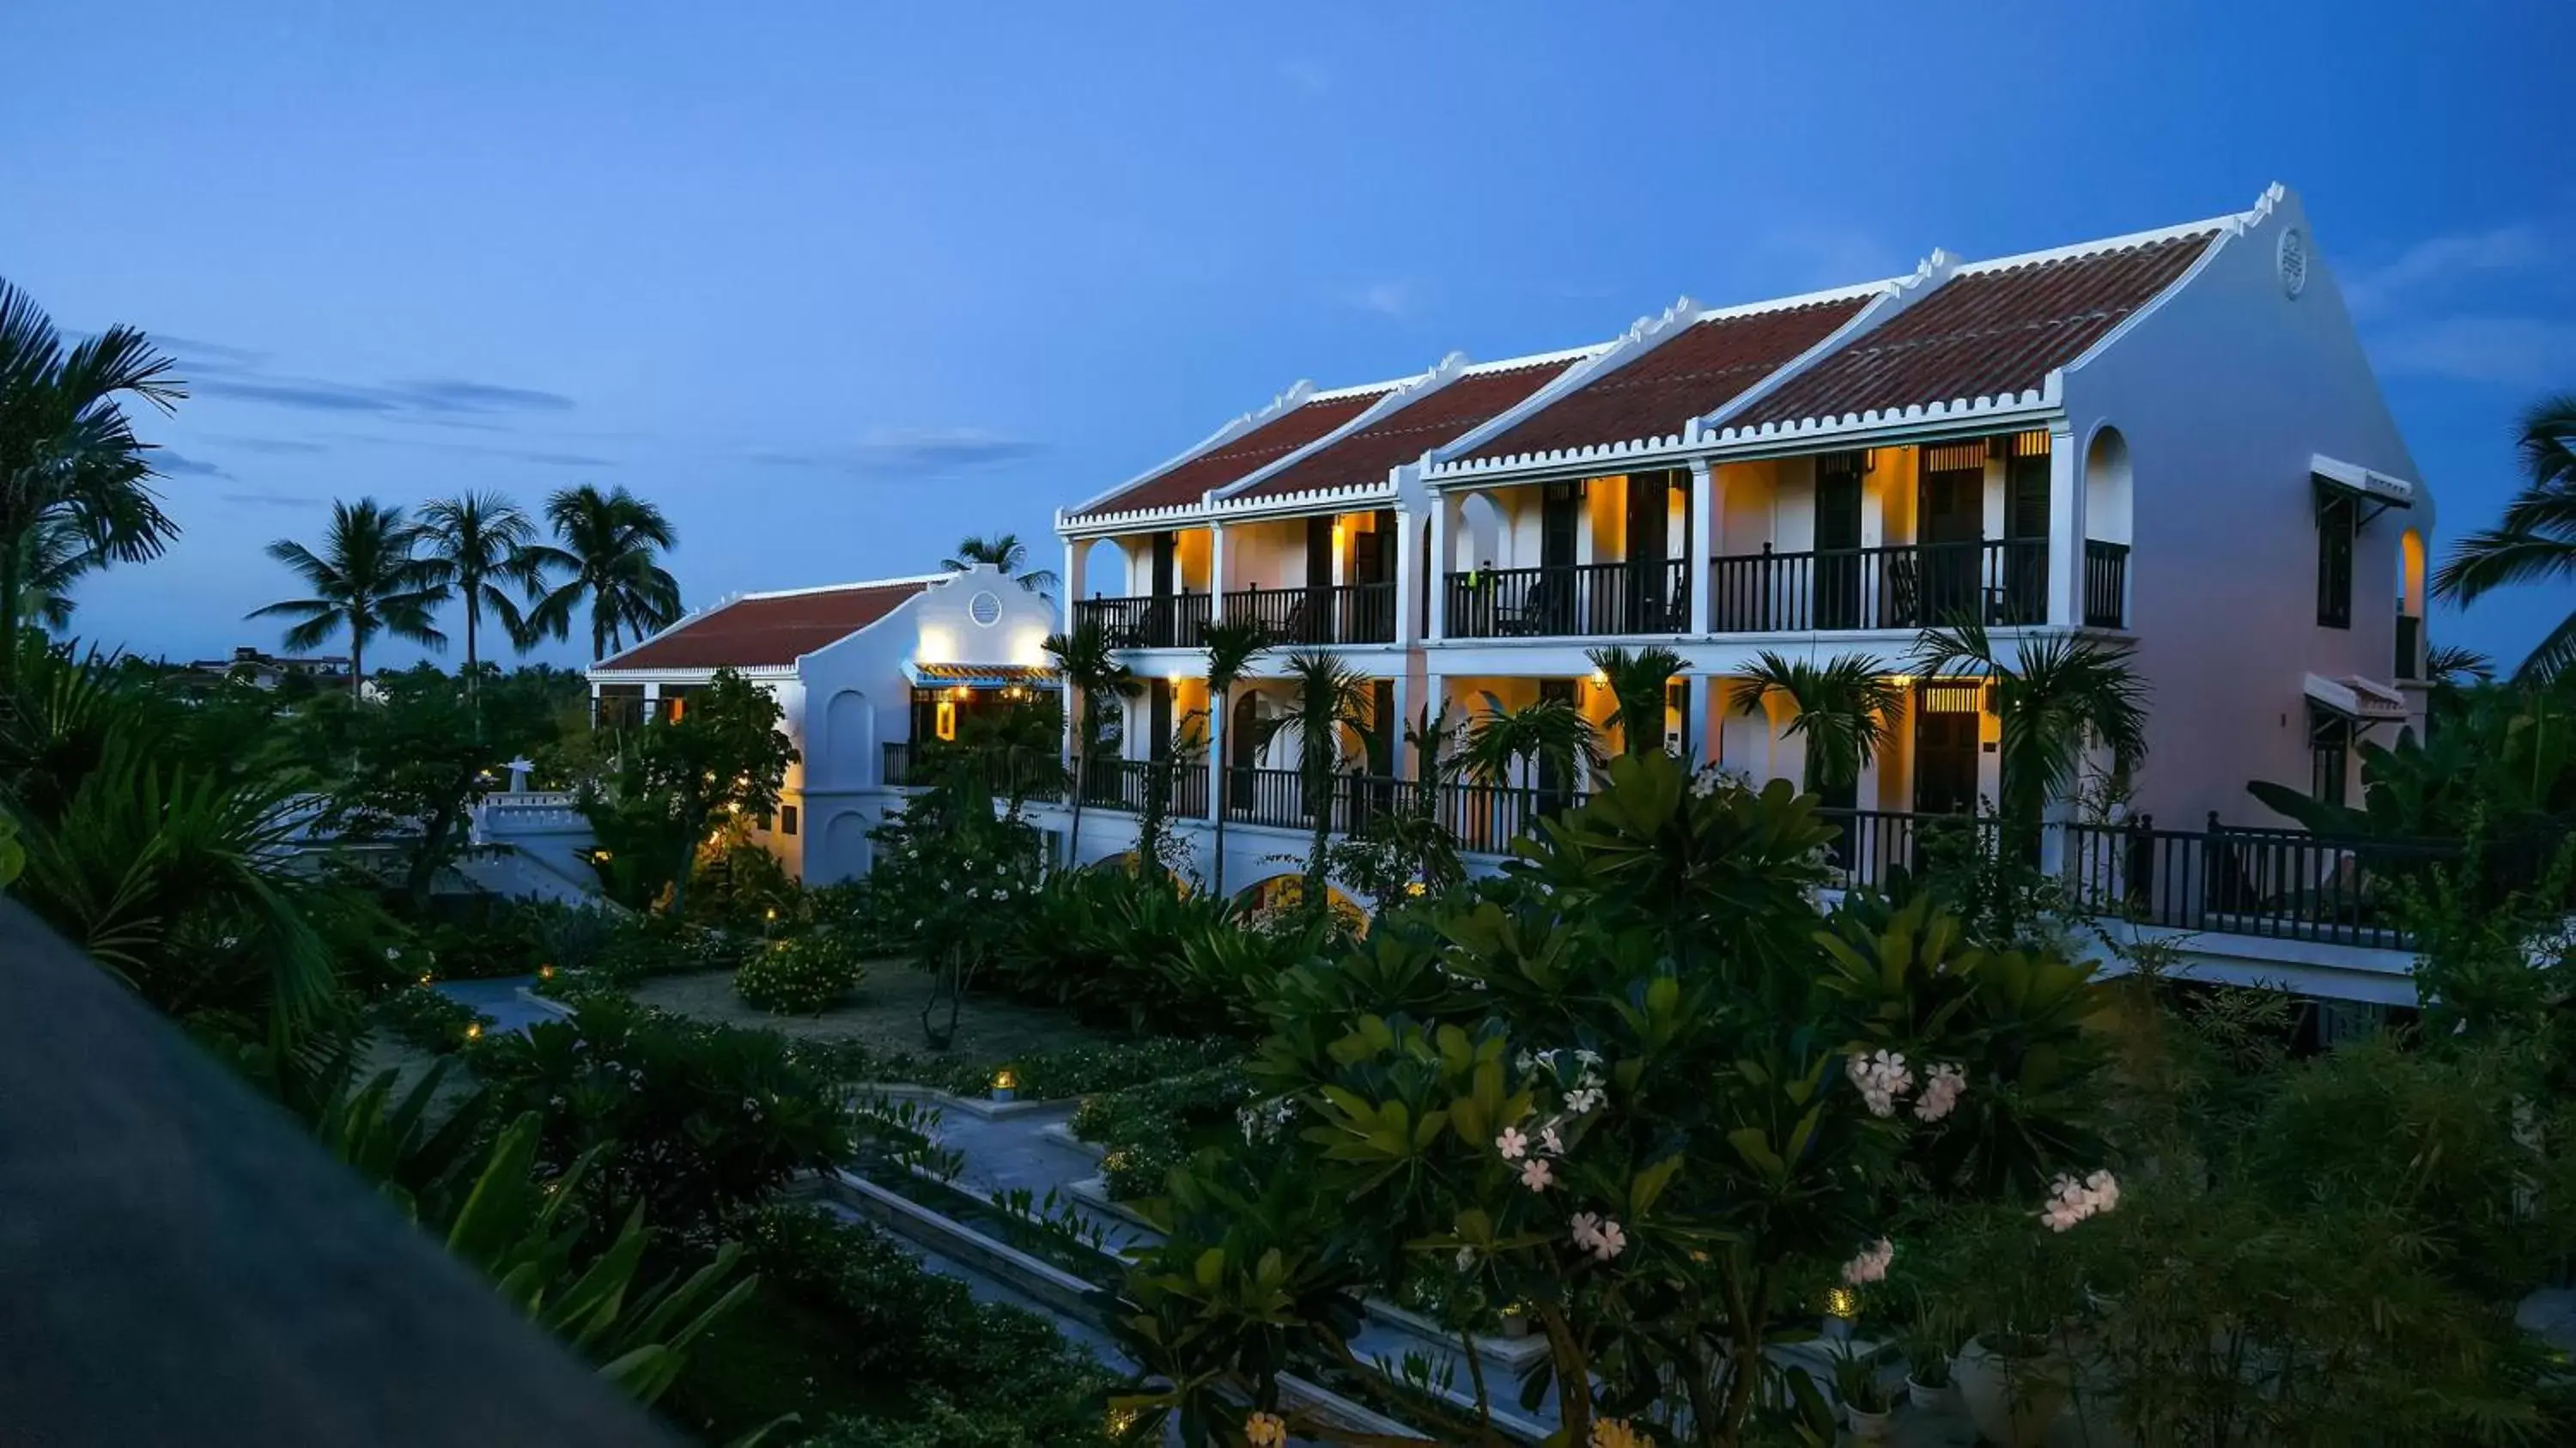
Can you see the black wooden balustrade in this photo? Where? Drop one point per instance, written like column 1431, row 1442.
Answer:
column 1346, row 613
column 2240, row 880
column 1570, row 600
column 1999, row 583
column 2106, row 584
column 1165, row 621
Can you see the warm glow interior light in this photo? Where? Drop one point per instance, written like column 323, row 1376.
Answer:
column 1600, row 680
column 1006, row 1079
column 1842, row 1302
column 473, row 1029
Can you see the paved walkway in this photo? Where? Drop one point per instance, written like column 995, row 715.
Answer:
column 499, row 998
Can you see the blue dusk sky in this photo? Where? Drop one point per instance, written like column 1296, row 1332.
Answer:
column 838, row 283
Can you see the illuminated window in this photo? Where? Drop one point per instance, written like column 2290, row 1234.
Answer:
column 946, row 727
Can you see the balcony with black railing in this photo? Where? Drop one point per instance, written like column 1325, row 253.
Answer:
column 2106, row 584
column 1998, row 583
column 1342, row 613
column 1574, row 600
column 1159, row 621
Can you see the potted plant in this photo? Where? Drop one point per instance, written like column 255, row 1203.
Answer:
column 1868, row 1404
column 2021, row 1273
column 1928, row 1345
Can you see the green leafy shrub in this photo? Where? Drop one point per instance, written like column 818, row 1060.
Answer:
column 702, row 1117
column 976, row 1375
column 1148, row 1129
column 425, row 1017
column 800, row 975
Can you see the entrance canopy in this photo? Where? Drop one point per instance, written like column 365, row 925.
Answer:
column 2336, row 478
column 980, row 676
column 2360, row 700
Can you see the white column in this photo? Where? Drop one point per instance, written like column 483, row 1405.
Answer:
column 1077, row 572
column 1435, row 692
column 1695, row 737
column 1216, row 569
column 1394, row 728
column 1408, row 578
column 1444, row 518
column 1696, row 576
column 2065, row 531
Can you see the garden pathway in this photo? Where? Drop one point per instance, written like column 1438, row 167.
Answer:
column 498, row 998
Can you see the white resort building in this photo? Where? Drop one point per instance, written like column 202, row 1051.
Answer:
column 2171, row 438
column 860, row 671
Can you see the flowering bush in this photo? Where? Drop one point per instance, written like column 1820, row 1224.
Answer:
column 800, row 975
column 1634, row 1087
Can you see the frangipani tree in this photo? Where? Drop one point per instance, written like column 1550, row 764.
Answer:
column 1636, row 1088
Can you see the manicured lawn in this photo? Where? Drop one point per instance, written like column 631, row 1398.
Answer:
column 884, row 1015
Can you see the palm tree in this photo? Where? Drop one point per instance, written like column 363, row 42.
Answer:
column 1637, row 682
column 1327, row 700
column 54, row 557
column 2536, row 542
column 607, row 547
column 1006, row 552
column 1232, row 645
column 1841, row 708
column 473, row 544
column 365, row 580
column 67, row 452
column 1092, row 671
column 1551, row 732
column 2054, row 701
column 2457, row 666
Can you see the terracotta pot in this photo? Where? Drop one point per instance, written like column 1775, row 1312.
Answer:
column 2011, row 1400
column 1869, row 1427
column 1943, row 1399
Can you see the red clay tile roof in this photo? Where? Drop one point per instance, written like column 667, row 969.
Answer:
column 758, row 633
column 1985, row 334
column 1406, row 434
column 1698, row 372
column 1194, row 478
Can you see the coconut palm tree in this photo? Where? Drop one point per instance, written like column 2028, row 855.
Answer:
column 1092, row 671
column 1328, row 702
column 1232, row 645
column 1637, row 682
column 365, row 580
column 2536, row 541
column 1841, row 708
column 606, row 543
column 1006, row 552
column 2054, row 700
column 2457, row 666
column 1551, row 731
column 473, row 544
column 68, row 453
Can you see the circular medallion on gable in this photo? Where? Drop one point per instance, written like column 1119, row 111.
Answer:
column 2293, row 260
column 985, row 609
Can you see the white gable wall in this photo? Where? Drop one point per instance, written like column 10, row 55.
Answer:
column 2222, row 393
column 855, row 700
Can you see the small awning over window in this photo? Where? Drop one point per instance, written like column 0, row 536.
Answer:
column 980, row 676
column 2358, row 699
column 2336, row 475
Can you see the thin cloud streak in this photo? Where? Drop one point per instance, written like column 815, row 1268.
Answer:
column 912, row 453
column 2423, row 267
